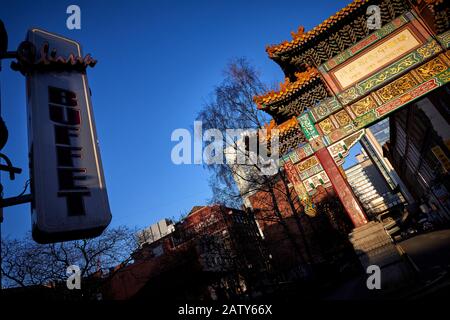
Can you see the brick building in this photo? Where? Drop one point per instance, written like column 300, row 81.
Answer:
column 213, row 253
column 419, row 151
column 302, row 246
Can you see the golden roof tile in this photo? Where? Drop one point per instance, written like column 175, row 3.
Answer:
column 282, row 128
column 287, row 88
column 301, row 37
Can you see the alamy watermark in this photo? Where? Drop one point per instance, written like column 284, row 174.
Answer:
column 231, row 146
column 74, row 279
column 374, row 280
column 374, row 19
column 74, row 19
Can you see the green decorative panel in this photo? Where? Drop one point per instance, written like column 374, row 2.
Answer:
column 325, row 108
column 307, row 125
column 366, row 119
column 444, row 77
column 297, row 155
column 429, row 49
column 444, row 39
column 390, row 72
column 349, row 95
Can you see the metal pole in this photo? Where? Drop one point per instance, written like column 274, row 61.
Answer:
column 3, row 50
column 13, row 201
column 1, row 222
column 4, row 54
column 1, row 192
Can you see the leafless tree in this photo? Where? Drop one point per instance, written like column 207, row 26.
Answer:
column 27, row 263
column 232, row 107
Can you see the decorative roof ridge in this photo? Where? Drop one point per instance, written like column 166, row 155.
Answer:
column 282, row 127
column 288, row 124
column 301, row 37
column 287, row 88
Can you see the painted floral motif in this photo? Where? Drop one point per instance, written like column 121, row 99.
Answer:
column 409, row 96
column 326, row 126
column 444, row 77
column 365, row 119
column 317, row 143
column 431, row 68
column 363, row 106
column 294, row 157
column 325, row 107
column 308, row 163
column 349, row 95
column 430, row 49
column 444, row 39
column 343, row 118
column 390, row 72
column 397, row 87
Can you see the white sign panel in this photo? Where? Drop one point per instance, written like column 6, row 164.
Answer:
column 68, row 186
column 380, row 55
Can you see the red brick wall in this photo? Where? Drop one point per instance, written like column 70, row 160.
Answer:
column 285, row 258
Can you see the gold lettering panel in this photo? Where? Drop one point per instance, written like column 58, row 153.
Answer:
column 396, row 88
column 363, row 106
column 377, row 57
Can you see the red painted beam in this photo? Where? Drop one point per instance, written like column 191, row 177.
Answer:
column 342, row 188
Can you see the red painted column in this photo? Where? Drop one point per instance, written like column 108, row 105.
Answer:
column 342, row 188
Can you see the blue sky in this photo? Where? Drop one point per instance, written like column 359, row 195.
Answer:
column 158, row 62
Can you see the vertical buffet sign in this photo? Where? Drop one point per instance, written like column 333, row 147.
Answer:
column 69, row 194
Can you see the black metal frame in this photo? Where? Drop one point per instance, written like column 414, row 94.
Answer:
column 8, row 167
